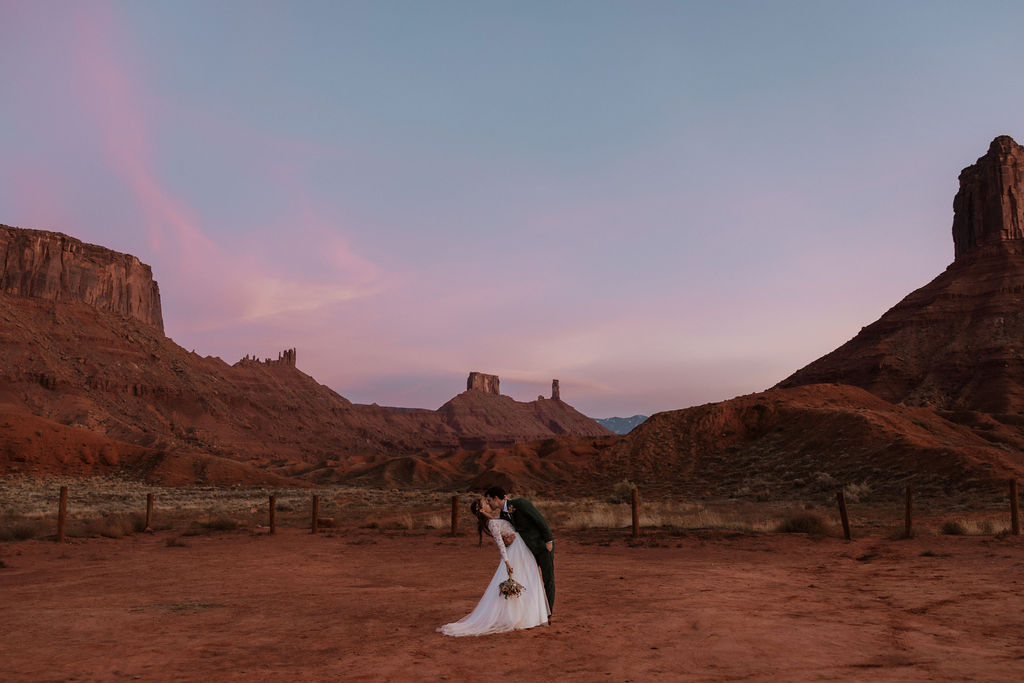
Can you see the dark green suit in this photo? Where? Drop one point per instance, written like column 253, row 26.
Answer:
column 533, row 529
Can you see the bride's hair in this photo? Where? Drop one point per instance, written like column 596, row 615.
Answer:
column 481, row 520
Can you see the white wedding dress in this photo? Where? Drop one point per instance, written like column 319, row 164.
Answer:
column 494, row 614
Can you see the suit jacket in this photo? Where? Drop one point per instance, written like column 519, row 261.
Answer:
column 530, row 524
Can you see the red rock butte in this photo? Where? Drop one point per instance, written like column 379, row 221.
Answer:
column 90, row 384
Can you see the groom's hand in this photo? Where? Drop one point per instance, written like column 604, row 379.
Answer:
column 550, row 545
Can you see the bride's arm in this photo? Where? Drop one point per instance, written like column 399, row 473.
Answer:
column 495, row 528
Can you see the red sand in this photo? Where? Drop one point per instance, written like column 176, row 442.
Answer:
column 363, row 605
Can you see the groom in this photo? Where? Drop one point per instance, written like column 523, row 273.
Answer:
column 533, row 529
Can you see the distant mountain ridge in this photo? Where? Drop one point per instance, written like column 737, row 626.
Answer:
column 621, row 425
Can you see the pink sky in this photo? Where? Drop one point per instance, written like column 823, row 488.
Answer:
column 573, row 192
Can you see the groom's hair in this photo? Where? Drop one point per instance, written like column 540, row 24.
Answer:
column 494, row 492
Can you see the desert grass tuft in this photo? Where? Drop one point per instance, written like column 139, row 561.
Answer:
column 401, row 523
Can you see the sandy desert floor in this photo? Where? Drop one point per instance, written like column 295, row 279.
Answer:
column 363, row 605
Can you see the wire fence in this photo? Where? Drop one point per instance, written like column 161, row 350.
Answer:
column 115, row 513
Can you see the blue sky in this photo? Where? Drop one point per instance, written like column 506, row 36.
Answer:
column 661, row 204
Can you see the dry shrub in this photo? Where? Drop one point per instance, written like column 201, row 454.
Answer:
column 855, row 493
column 597, row 518
column 622, row 492
column 108, row 526
column 953, row 527
column 691, row 517
column 21, row 530
column 402, row 523
column 138, row 523
column 222, row 524
column 824, row 480
column 436, row 521
column 804, row 523
column 973, row 527
column 655, row 514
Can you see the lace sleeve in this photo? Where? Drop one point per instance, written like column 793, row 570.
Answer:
column 495, row 528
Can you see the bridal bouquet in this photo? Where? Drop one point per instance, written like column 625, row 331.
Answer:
column 510, row 588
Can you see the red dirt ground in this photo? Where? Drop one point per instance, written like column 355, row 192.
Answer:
column 363, row 605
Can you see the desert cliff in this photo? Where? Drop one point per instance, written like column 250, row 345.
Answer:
column 54, row 267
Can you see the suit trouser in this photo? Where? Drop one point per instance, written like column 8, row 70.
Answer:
column 546, row 561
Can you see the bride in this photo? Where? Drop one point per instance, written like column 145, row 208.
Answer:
column 494, row 613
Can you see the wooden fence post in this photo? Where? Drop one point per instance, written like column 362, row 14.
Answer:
column 636, row 512
column 316, row 512
column 62, row 513
column 841, row 497
column 908, row 532
column 1014, row 511
column 273, row 514
column 455, row 515
column 149, row 512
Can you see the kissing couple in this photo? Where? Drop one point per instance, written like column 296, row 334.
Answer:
column 527, row 558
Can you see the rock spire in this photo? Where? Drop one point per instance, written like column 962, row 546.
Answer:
column 989, row 207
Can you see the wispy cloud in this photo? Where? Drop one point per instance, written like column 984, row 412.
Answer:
column 240, row 282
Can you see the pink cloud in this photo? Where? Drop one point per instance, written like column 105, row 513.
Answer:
column 107, row 91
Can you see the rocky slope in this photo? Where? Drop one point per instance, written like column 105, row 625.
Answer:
column 956, row 344
column 805, row 442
